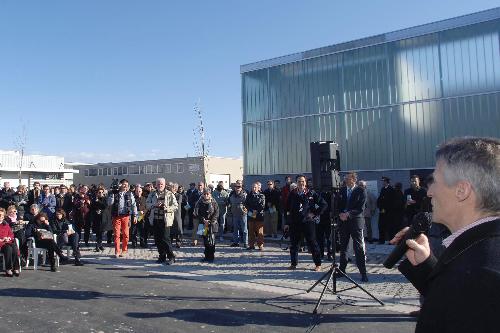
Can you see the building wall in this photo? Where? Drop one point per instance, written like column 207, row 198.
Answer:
column 178, row 170
column 387, row 105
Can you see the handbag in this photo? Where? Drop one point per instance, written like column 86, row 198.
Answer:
column 44, row 234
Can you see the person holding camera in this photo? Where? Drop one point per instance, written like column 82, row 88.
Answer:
column 304, row 208
column 162, row 206
column 123, row 208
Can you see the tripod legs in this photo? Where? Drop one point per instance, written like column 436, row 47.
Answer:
column 330, row 274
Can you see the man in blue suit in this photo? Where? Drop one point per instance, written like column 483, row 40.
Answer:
column 351, row 203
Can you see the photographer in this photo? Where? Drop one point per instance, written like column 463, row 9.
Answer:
column 123, row 207
column 304, row 207
column 461, row 288
column 162, row 205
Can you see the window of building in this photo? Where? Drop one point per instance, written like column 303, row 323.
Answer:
column 115, row 171
column 180, row 167
column 133, row 169
column 100, row 171
column 92, row 172
column 86, row 172
column 193, row 167
column 149, row 169
column 167, row 168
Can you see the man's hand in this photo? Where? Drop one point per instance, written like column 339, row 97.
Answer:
column 134, row 221
column 418, row 249
column 343, row 216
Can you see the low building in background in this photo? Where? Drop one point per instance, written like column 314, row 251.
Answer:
column 51, row 170
column 179, row 170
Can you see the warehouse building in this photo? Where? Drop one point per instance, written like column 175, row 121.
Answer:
column 387, row 100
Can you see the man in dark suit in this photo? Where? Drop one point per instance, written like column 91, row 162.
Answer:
column 351, row 203
column 461, row 289
column 385, row 204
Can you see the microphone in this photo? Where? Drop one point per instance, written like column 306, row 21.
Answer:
column 421, row 224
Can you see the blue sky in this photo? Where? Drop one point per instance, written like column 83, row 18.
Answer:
column 104, row 80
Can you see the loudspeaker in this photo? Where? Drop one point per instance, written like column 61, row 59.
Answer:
column 325, row 165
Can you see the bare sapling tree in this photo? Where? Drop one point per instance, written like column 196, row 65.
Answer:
column 20, row 143
column 201, row 143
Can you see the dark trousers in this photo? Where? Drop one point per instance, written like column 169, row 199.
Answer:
column 297, row 232
column 10, row 256
column 86, row 231
column 51, row 247
column 162, row 239
column 133, row 231
column 72, row 241
column 353, row 229
column 209, row 242
column 23, row 244
column 323, row 233
column 383, row 221
column 144, row 232
column 190, row 215
column 109, row 236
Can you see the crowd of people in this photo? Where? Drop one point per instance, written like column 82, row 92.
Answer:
column 462, row 263
column 58, row 216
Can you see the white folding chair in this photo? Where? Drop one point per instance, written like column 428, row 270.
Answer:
column 3, row 258
column 34, row 253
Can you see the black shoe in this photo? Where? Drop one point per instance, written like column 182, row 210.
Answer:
column 235, row 245
column 364, row 278
column 63, row 260
column 250, row 248
column 160, row 261
column 78, row 263
column 101, row 248
column 53, row 268
column 97, row 249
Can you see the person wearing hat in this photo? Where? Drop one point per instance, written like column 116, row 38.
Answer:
column 385, row 204
column 206, row 211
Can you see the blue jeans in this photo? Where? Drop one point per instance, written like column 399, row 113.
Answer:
column 222, row 223
column 240, row 230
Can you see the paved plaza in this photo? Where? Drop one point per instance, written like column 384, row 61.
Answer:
column 247, row 291
column 267, row 271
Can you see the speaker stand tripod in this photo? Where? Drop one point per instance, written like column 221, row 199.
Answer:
column 333, row 273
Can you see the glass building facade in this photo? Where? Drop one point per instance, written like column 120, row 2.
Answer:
column 388, row 100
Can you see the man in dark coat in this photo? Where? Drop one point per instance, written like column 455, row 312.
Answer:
column 462, row 287
column 351, row 204
column 305, row 207
column 385, row 203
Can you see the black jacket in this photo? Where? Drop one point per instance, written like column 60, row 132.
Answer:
column 300, row 205
column 208, row 211
column 462, row 288
column 256, row 202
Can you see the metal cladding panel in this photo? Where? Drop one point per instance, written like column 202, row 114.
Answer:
column 387, row 105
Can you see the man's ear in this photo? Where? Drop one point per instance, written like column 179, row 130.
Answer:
column 463, row 190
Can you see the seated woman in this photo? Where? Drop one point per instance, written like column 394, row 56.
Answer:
column 17, row 227
column 66, row 234
column 8, row 247
column 35, row 230
column 207, row 211
column 29, row 216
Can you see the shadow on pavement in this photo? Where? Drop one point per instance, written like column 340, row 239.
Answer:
column 228, row 317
